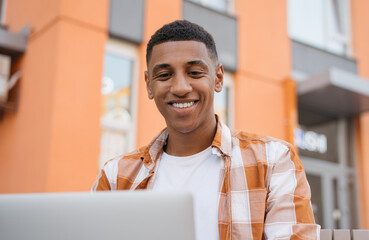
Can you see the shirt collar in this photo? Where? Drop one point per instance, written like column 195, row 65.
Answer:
column 223, row 138
column 222, row 144
column 154, row 150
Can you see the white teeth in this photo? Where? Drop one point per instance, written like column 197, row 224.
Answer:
column 183, row 105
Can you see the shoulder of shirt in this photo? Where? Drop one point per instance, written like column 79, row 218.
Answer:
column 270, row 142
column 127, row 160
column 275, row 149
column 134, row 156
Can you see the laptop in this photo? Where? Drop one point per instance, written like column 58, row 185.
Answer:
column 95, row 216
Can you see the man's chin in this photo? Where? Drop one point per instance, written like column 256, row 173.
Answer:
column 183, row 128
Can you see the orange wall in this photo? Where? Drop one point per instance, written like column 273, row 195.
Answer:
column 360, row 40
column 52, row 142
column 25, row 136
column 263, row 64
column 75, row 132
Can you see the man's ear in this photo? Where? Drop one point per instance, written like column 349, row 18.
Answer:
column 219, row 78
column 148, row 87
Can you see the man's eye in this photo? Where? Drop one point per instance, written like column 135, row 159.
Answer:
column 195, row 73
column 163, row 76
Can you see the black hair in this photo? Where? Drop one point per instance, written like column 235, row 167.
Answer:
column 182, row 30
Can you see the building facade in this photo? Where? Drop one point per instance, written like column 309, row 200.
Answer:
column 73, row 92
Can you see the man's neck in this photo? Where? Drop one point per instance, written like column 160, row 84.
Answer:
column 186, row 144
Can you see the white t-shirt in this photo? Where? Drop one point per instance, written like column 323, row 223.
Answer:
column 198, row 174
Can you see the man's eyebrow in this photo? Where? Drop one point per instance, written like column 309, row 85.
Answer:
column 198, row 62
column 160, row 66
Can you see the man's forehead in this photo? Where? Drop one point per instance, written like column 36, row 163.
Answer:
column 180, row 51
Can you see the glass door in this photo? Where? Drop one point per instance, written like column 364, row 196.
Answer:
column 325, row 151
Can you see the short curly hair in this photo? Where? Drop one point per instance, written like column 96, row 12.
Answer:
column 182, row 30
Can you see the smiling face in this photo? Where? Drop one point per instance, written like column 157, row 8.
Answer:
column 182, row 78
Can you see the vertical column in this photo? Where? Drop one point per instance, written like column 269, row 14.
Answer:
column 290, row 109
column 25, row 139
column 360, row 38
column 343, row 198
column 75, row 129
column 264, row 62
column 52, row 142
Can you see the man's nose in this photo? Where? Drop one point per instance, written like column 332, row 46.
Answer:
column 180, row 85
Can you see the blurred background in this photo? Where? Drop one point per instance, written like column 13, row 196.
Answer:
column 72, row 91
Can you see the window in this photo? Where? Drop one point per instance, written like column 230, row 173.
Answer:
column 321, row 23
column 2, row 11
column 223, row 101
column 219, row 5
column 118, row 100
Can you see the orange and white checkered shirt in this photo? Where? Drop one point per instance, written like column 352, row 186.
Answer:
column 263, row 193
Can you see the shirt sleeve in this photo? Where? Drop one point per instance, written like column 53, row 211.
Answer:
column 288, row 209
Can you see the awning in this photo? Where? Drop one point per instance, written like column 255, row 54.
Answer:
column 334, row 93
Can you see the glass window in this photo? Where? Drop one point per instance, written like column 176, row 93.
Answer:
column 320, row 23
column 354, row 201
column 316, row 197
column 338, row 34
column 118, row 94
column 223, row 101
column 116, row 84
column 2, row 11
column 219, row 5
column 221, row 104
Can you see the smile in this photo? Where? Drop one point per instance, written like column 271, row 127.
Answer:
column 183, row 105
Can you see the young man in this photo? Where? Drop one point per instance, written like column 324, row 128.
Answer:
column 244, row 186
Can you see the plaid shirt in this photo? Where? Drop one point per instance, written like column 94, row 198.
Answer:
column 263, row 193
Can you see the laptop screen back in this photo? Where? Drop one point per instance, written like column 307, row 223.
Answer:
column 96, row 216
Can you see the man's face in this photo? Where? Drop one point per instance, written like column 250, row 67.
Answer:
column 182, row 78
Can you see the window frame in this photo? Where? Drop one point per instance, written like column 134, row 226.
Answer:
column 131, row 52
